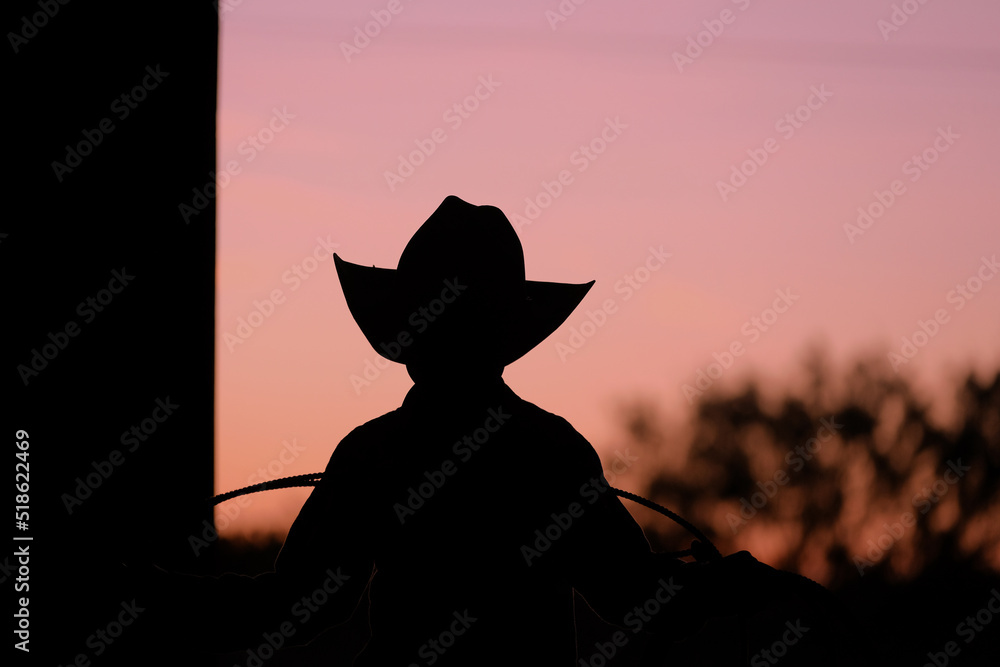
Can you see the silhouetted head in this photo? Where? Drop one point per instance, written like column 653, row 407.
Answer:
column 457, row 305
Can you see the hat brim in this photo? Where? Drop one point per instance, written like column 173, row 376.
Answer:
column 375, row 299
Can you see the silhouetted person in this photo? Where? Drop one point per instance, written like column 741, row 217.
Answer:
column 474, row 513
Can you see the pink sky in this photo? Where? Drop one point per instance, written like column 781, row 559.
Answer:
column 319, row 181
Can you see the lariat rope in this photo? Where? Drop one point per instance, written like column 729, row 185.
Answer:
column 706, row 550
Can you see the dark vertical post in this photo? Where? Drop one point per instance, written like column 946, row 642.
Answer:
column 110, row 290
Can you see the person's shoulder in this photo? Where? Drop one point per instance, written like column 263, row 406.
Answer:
column 543, row 418
column 363, row 441
column 551, row 421
column 375, row 427
column 559, row 434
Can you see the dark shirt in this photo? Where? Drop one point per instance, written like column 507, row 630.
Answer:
column 474, row 514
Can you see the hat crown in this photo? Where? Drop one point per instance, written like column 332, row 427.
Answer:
column 473, row 245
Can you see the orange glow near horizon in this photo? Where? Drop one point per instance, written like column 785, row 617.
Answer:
column 622, row 147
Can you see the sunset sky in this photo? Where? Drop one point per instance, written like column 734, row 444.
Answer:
column 746, row 157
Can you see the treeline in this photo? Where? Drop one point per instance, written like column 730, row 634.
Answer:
column 845, row 478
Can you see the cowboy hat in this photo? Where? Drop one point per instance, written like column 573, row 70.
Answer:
column 458, row 291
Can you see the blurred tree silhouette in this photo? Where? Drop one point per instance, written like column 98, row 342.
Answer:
column 843, row 478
